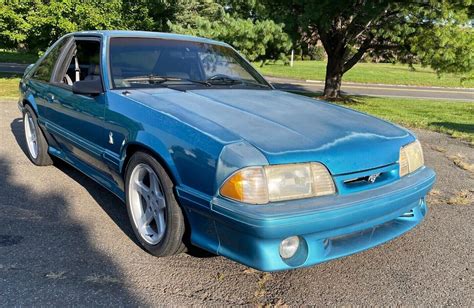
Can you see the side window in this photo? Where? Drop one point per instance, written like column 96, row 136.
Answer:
column 82, row 64
column 45, row 68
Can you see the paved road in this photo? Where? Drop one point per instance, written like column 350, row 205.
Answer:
column 449, row 94
column 12, row 68
column 66, row 241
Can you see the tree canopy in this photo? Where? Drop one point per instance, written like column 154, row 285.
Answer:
column 36, row 24
column 434, row 33
column 257, row 40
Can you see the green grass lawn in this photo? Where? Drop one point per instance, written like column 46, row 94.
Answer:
column 455, row 119
column 12, row 56
column 9, row 86
column 366, row 73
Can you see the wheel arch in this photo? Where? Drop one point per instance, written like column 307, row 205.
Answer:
column 167, row 163
column 30, row 100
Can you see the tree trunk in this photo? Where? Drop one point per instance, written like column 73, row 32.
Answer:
column 334, row 71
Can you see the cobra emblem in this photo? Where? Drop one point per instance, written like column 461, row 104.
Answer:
column 371, row 179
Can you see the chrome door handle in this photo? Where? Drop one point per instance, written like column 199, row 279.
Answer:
column 51, row 98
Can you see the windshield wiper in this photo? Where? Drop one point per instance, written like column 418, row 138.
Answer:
column 203, row 82
column 156, row 79
column 226, row 80
column 150, row 78
column 223, row 80
column 255, row 84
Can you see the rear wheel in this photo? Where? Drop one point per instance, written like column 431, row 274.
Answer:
column 154, row 213
column 37, row 146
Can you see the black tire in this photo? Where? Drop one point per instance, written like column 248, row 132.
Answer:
column 172, row 241
column 42, row 158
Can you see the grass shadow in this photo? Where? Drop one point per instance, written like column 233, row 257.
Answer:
column 459, row 127
column 14, row 56
column 10, row 75
column 343, row 100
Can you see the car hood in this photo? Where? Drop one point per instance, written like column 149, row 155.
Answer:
column 288, row 128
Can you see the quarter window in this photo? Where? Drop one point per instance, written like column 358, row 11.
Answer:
column 45, row 68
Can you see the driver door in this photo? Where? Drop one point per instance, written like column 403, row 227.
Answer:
column 77, row 121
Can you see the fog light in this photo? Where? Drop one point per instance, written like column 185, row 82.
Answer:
column 289, row 246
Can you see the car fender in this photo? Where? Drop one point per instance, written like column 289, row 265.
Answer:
column 152, row 144
column 28, row 97
column 236, row 156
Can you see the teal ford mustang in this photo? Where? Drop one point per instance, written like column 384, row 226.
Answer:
column 203, row 150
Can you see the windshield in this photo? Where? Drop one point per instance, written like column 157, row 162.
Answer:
column 153, row 62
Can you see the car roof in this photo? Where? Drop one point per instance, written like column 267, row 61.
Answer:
column 148, row 34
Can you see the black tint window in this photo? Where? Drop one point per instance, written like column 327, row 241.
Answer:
column 45, row 69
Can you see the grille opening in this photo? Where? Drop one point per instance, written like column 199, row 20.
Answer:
column 368, row 179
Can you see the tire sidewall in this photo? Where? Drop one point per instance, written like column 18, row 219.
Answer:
column 29, row 111
column 173, row 215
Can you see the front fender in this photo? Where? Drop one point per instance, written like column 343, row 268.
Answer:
column 27, row 97
column 154, row 145
column 236, row 156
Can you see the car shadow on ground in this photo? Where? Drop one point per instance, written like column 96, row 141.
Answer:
column 46, row 256
column 109, row 203
column 112, row 205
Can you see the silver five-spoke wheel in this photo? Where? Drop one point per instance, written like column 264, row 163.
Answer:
column 147, row 203
column 36, row 143
column 31, row 137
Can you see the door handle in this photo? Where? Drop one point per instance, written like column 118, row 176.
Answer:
column 51, row 98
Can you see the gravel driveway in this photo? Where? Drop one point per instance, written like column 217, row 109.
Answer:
column 64, row 240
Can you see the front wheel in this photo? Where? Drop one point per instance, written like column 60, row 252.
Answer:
column 37, row 146
column 154, row 213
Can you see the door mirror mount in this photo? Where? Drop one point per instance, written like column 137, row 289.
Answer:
column 28, row 69
column 88, row 87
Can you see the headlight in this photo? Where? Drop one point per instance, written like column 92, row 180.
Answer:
column 260, row 185
column 411, row 158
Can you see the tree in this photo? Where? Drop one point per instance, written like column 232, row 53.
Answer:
column 13, row 25
column 432, row 31
column 36, row 24
column 246, row 9
column 256, row 39
column 53, row 19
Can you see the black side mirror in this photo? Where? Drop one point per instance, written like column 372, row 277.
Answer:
column 88, row 87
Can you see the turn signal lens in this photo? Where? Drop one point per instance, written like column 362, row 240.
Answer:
column 411, row 158
column 260, row 185
column 322, row 180
column 247, row 185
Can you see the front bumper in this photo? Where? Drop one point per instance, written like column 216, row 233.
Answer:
column 328, row 227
